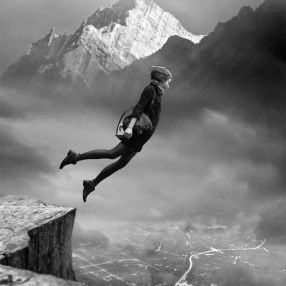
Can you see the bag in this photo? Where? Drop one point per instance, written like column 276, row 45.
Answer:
column 142, row 125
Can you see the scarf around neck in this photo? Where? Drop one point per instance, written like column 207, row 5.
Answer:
column 158, row 85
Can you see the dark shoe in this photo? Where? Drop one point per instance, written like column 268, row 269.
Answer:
column 89, row 187
column 71, row 158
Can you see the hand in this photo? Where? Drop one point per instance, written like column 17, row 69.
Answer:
column 128, row 133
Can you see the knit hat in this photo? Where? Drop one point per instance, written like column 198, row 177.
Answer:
column 160, row 74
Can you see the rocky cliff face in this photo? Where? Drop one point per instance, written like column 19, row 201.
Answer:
column 36, row 236
column 110, row 39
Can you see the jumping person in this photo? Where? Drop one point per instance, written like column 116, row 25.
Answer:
column 132, row 142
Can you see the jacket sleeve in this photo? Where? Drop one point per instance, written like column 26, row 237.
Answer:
column 145, row 99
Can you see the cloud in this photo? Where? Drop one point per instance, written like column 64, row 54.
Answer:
column 212, row 165
column 201, row 17
column 94, row 237
column 272, row 223
column 207, row 155
column 222, row 139
column 18, row 158
column 209, row 164
column 20, row 162
column 240, row 275
column 8, row 111
column 10, row 107
column 18, row 20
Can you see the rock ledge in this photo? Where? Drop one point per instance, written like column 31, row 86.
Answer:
column 36, row 236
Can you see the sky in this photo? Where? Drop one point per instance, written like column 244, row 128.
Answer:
column 178, row 173
column 25, row 21
column 214, row 166
column 221, row 168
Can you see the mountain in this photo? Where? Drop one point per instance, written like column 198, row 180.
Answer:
column 110, row 39
column 240, row 66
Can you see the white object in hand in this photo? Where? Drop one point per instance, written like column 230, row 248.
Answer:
column 128, row 133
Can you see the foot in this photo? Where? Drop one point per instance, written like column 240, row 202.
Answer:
column 71, row 158
column 89, row 187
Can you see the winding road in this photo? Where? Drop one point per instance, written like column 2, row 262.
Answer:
column 183, row 280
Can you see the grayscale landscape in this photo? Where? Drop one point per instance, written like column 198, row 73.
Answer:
column 176, row 254
column 204, row 202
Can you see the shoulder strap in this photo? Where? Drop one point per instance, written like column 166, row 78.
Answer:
column 125, row 114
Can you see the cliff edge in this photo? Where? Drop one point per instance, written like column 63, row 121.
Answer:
column 36, row 236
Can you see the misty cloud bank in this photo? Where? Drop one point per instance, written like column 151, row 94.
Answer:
column 242, row 276
column 218, row 153
column 207, row 162
column 23, row 166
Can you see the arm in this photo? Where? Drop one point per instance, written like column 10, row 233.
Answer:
column 132, row 123
column 128, row 131
column 145, row 99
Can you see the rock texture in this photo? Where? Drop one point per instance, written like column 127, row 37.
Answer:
column 12, row 276
column 110, row 39
column 36, row 236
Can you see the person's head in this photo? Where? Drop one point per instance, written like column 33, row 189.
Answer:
column 162, row 75
column 165, row 84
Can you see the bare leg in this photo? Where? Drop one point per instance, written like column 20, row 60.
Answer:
column 119, row 150
column 106, row 172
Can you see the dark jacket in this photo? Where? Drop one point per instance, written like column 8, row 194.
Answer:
column 149, row 103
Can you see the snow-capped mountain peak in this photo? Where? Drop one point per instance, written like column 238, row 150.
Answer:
column 110, row 39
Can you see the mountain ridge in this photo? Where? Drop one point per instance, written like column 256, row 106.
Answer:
column 238, row 68
column 110, row 39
